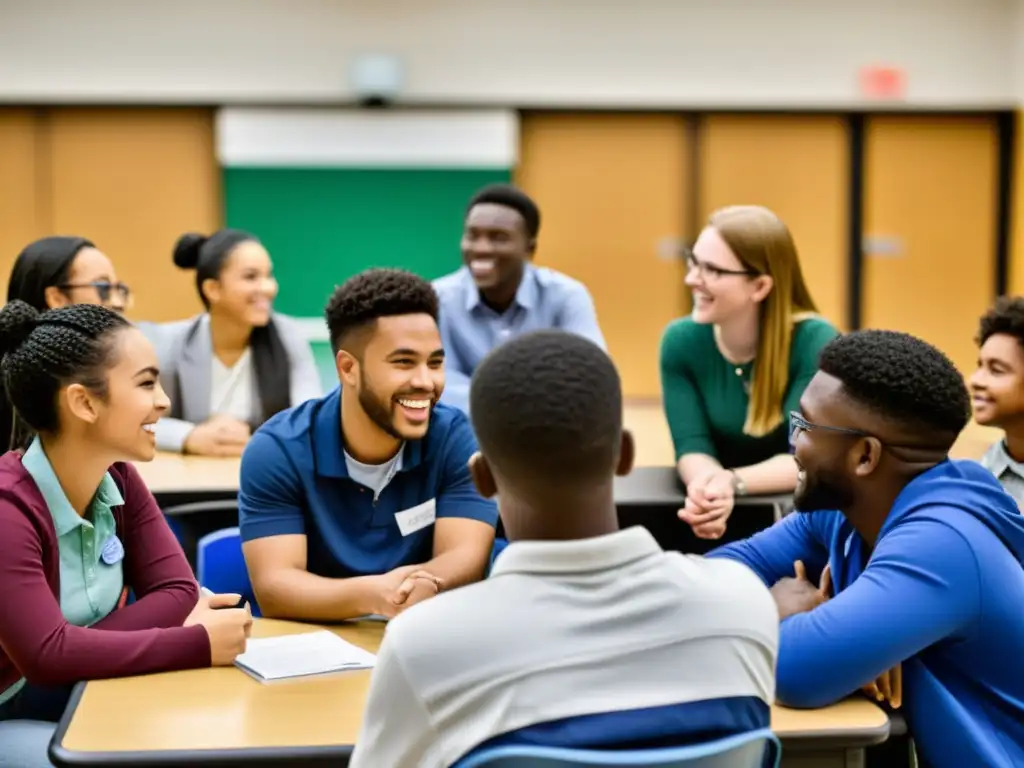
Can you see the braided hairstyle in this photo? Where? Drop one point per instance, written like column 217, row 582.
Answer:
column 45, row 352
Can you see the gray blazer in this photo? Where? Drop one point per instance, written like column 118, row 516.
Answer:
column 186, row 362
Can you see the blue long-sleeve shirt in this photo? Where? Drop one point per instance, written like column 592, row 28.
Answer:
column 942, row 593
column 470, row 329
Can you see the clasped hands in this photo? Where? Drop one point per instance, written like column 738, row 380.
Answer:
column 709, row 502
column 799, row 595
column 403, row 587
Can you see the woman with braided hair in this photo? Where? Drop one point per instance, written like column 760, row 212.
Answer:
column 80, row 529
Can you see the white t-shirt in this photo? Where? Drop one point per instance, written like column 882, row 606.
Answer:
column 231, row 388
column 374, row 476
column 563, row 630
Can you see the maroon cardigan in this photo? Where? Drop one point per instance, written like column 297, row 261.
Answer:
column 147, row 636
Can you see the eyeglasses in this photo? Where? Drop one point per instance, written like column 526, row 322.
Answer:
column 104, row 289
column 709, row 271
column 914, row 454
column 798, row 423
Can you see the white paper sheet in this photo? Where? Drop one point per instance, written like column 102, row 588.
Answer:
column 310, row 653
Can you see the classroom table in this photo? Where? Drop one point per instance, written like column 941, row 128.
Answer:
column 651, row 497
column 176, row 479
column 222, row 716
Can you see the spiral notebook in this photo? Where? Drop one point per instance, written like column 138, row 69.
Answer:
column 304, row 655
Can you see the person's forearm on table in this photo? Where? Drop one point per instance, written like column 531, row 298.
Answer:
column 297, row 594
column 692, row 466
column 458, row 566
column 774, row 475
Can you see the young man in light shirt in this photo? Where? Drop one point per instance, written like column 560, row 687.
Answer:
column 584, row 635
column 498, row 293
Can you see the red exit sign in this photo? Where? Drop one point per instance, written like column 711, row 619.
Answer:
column 881, row 82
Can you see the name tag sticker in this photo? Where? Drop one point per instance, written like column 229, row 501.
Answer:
column 417, row 518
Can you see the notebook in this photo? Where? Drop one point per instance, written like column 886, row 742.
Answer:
column 303, row 655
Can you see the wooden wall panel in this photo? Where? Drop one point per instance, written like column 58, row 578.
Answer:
column 132, row 180
column 797, row 165
column 24, row 203
column 929, row 227
column 1016, row 266
column 613, row 192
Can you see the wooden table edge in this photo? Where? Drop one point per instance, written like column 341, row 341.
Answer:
column 803, row 741
column 336, row 755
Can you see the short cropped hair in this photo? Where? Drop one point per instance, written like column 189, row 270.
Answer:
column 510, row 197
column 902, row 378
column 548, row 405
column 376, row 293
column 1007, row 317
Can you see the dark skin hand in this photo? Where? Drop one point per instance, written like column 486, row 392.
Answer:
column 799, row 595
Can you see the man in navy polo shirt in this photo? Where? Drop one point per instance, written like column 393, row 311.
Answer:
column 361, row 502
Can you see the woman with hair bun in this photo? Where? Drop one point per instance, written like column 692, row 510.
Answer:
column 80, row 529
column 231, row 368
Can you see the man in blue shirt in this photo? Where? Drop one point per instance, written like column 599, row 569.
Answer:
column 924, row 552
column 361, row 502
column 498, row 293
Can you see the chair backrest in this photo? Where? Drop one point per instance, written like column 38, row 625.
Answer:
column 754, row 749
column 220, row 565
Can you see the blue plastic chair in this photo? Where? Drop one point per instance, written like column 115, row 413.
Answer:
column 220, row 566
column 754, row 749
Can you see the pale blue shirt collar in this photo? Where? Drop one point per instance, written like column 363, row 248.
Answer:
column 998, row 460
column 65, row 518
column 526, row 294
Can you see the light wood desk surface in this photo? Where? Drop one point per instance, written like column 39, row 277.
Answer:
column 225, row 710
column 173, row 472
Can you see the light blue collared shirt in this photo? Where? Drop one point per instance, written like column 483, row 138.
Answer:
column 1010, row 473
column 470, row 329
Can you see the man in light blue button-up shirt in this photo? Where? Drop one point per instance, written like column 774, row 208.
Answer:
column 498, row 293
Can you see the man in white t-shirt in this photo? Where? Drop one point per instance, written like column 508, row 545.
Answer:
column 583, row 636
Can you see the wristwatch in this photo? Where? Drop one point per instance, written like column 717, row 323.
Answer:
column 738, row 486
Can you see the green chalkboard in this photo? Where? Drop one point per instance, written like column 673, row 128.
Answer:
column 322, row 225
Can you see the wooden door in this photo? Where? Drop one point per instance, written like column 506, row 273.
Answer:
column 930, row 228
column 797, row 165
column 1015, row 285
column 24, row 205
column 133, row 180
column 613, row 196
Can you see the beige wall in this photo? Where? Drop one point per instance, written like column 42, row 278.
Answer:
column 651, row 53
